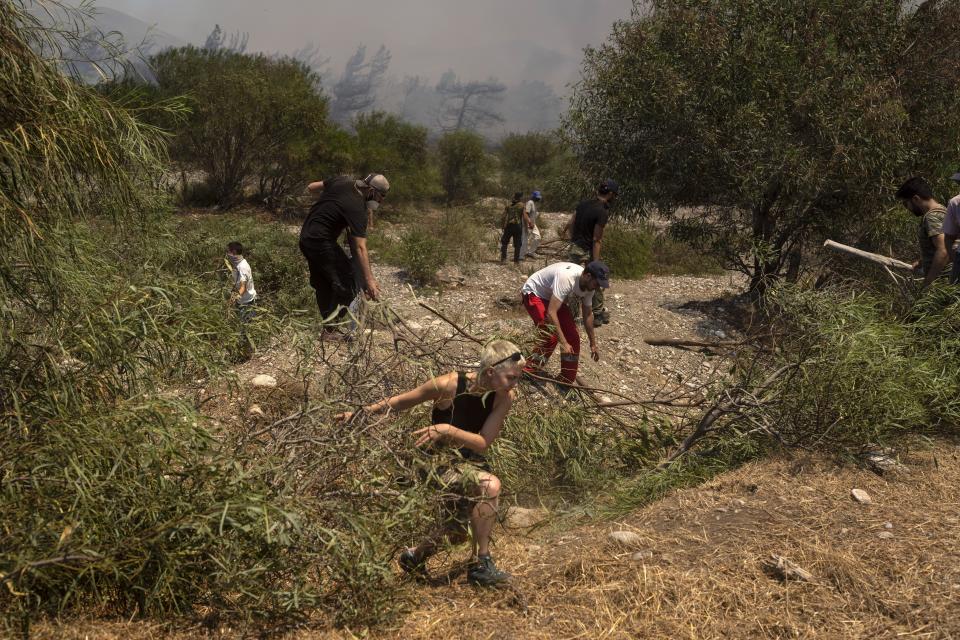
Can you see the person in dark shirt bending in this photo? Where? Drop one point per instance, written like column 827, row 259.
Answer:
column 585, row 231
column 341, row 204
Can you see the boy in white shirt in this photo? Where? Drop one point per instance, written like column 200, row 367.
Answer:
column 244, row 294
column 544, row 297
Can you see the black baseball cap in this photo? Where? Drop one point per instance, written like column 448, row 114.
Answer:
column 609, row 186
column 601, row 273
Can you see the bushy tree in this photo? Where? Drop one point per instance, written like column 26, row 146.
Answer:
column 780, row 122
column 387, row 144
column 462, row 164
column 251, row 116
column 525, row 158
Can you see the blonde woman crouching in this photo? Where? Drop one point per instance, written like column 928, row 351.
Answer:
column 469, row 409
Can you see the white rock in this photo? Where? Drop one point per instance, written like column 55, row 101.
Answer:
column 521, row 518
column 639, row 556
column 626, row 538
column 888, row 525
column 263, row 380
column 255, row 410
column 884, row 535
column 861, row 496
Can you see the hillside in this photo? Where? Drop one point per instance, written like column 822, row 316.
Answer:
column 694, row 564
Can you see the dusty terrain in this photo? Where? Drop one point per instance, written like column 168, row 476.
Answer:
column 696, row 564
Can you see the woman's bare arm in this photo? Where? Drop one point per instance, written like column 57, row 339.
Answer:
column 432, row 389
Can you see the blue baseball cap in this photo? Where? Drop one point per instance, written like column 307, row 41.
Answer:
column 536, row 196
column 600, row 272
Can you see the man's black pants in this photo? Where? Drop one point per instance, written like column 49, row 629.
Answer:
column 331, row 276
column 511, row 231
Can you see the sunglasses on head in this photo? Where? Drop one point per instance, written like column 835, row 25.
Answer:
column 513, row 357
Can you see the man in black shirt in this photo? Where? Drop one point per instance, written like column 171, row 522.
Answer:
column 512, row 219
column 341, row 204
column 585, row 231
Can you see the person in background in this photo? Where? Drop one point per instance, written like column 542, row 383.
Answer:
column 512, row 223
column 341, row 203
column 916, row 195
column 951, row 232
column 544, row 296
column 531, row 233
column 469, row 410
column 585, row 230
column 243, row 294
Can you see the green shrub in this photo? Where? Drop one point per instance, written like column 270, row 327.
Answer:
column 385, row 143
column 467, row 234
column 421, row 254
column 627, row 251
column 462, row 165
column 669, row 256
column 859, row 374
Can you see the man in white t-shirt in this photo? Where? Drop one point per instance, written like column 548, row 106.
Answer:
column 531, row 232
column 951, row 232
column 243, row 294
column 544, row 296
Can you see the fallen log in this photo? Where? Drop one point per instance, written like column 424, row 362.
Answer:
column 885, row 261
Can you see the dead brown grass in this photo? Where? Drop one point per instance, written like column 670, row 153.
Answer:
column 705, row 577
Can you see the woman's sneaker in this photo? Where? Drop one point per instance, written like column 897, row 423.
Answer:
column 416, row 569
column 484, row 573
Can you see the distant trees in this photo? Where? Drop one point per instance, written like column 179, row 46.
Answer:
column 251, row 117
column 220, row 41
column 387, row 144
column 784, row 123
column 469, row 105
column 355, row 91
column 462, row 165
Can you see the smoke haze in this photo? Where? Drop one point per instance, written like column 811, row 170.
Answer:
column 513, row 40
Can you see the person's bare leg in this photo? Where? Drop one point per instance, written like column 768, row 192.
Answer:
column 484, row 514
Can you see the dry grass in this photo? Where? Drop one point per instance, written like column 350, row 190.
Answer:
column 706, row 578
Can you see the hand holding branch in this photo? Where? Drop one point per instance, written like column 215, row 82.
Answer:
column 431, row 434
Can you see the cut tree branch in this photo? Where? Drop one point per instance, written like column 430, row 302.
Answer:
column 885, row 261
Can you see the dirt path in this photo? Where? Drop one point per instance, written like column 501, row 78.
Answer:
column 488, row 302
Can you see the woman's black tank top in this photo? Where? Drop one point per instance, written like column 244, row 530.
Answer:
column 468, row 412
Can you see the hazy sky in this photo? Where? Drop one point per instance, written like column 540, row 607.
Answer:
column 510, row 39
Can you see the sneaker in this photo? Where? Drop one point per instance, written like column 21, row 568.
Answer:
column 412, row 567
column 484, row 573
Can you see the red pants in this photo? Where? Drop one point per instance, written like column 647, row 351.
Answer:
column 569, row 362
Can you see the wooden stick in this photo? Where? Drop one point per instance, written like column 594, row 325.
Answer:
column 866, row 255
